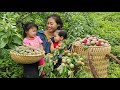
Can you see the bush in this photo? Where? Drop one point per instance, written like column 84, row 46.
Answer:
column 114, row 70
column 116, row 51
column 8, row 68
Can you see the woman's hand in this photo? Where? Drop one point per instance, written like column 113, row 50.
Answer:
column 50, row 41
column 51, row 45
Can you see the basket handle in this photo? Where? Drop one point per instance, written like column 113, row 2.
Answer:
column 90, row 59
column 92, row 68
column 113, row 57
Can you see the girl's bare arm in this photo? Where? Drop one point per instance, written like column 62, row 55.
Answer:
column 41, row 47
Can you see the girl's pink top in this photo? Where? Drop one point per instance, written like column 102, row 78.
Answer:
column 35, row 42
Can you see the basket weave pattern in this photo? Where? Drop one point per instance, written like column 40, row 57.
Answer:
column 100, row 61
column 25, row 59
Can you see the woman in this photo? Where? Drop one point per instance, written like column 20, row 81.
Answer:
column 54, row 22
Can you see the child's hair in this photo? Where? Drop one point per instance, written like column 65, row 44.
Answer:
column 57, row 19
column 27, row 26
column 62, row 33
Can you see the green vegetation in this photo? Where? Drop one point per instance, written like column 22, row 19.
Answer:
column 78, row 24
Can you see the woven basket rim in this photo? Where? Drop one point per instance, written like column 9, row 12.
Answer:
column 92, row 46
column 27, row 55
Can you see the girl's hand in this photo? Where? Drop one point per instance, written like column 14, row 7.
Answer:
column 50, row 41
column 41, row 47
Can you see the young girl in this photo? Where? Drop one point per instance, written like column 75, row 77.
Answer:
column 33, row 41
column 59, row 37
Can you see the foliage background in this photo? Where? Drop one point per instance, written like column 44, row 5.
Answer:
column 78, row 24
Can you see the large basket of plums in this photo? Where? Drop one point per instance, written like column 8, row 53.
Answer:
column 26, row 55
column 98, row 48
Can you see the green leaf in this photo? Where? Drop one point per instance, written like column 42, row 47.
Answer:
column 85, row 47
column 1, row 33
column 11, row 45
column 17, row 40
column 3, row 42
column 40, row 70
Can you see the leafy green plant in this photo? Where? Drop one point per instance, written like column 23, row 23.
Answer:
column 71, row 66
column 9, row 37
column 116, row 51
column 114, row 70
column 8, row 68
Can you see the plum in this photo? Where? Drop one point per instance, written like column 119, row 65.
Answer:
column 98, row 43
column 79, row 62
column 69, row 54
column 87, row 36
column 64, row 61
column 106, row 44
column 71, row 65
column 84, row 40
column 88, row 43
column 70, row 73
column 92, row 42
column 90, row 38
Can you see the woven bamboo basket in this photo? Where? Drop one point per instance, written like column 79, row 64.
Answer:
column 26, row 59
column 100, row 61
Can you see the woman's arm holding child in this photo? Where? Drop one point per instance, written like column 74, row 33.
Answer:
column 51, row 45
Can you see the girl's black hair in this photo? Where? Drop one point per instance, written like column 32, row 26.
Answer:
column 57, row 19
column 62, row 33
column 27, row 26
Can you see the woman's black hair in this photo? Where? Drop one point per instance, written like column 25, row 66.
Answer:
column 57, row 19
column 27, row 26
column 62, row 33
